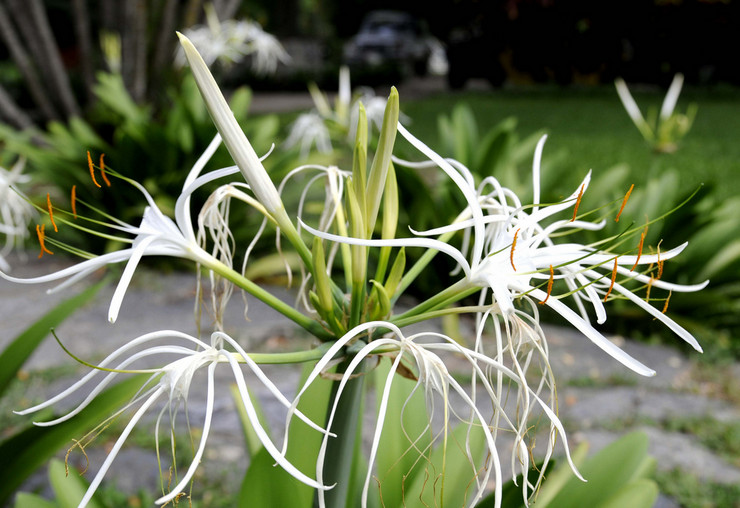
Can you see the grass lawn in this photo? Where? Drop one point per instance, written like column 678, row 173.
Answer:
column 591, row 126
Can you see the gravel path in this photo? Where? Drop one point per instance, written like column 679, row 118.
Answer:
column 599, row 399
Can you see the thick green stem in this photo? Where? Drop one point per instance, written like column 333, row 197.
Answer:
column 340, row 459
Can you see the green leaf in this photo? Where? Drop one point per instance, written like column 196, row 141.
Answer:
column 639, row 494
column 254, row 445
column 69, row 488
column 606, row 473
column 26, row 500
column 27, row 450
column 18, row 351
column 558, row 478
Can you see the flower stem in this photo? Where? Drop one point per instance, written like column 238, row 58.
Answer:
column 313, row 327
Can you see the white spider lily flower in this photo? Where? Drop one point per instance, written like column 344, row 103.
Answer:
column 307, row 130
column 436, row 381
column 233, row 137
column 171, row 384
column 668, row 127
column 15, row 210
column 265, row 49
column 231, row 41
column 156, row 235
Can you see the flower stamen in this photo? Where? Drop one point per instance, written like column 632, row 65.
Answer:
column 660, row 265
column 92, row 169
column 549, row 285
column 649, row 287
column 102, row 170
column 624, row 202
column 51, row 213
column 665, row 306
column 578, row 202
column 614, row 277
column 513, row 246
column 73, row 201
column 40, row 233
column 639, row 248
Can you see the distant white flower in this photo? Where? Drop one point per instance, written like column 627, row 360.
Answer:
column 231, row 41
column 308, row 130
column 436, row 381
column 665, row 130
column 16, row 212
column 171, row 383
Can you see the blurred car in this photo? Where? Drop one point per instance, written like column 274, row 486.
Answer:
column 390, row 39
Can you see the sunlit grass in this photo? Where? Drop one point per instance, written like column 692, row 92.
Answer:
column 590, row 126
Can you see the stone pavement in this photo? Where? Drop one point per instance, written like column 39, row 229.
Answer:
column 599, row 399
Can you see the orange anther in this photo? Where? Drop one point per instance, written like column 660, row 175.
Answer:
column 660, row 265
column 73, row 201
column 92, row 169
column 665, row 307
column 51, row 213
column 614, row 277
column 41, row 235
column 549, row 285
column 102, row 170
column 624, row 202
column 513, row 246
column 639, row 248
column 578, row 202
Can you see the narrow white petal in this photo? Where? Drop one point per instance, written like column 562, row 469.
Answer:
column 117, row 447
column 671, row 97
column 593, row 335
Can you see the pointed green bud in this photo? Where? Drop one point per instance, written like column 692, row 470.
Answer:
column 380, row 303
column 394, row 278
column 357, row 230
column 359, row 161
column 323, row 284
column 382, row 160
column 233, row 137
column 390, row 220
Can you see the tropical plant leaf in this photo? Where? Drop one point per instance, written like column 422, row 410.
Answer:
column 18, row 351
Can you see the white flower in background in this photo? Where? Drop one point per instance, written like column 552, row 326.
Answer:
column 308, row 130
column 436, row 382
column 231, row 41
column 171, row 384
column 156, row 235
column 665, row 130
column 16, row 212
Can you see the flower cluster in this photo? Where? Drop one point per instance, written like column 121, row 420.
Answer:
column 512, row 255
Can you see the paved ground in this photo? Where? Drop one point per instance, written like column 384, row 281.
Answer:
column 599, row 399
